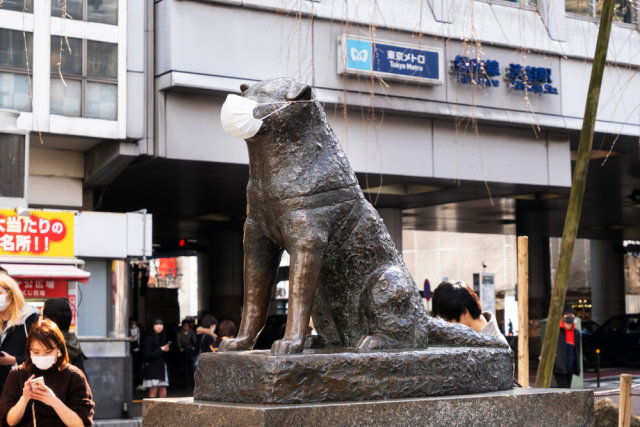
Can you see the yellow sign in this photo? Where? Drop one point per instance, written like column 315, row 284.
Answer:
column 42, row 233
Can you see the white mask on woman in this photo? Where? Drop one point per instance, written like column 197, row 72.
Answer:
column 43, row 362
column 4, row 302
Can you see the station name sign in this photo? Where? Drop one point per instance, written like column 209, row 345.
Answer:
column 484, row 72
column 390, row 60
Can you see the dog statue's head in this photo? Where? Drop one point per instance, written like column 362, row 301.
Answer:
column 284, row 104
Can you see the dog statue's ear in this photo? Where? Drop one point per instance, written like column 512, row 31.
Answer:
column 244, row 87
column 300, row 93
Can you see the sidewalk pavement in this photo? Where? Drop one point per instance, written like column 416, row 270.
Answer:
column 609, row 385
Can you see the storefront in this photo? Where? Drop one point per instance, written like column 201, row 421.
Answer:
column 37, row 250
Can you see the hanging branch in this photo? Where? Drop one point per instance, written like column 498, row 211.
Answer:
column 572, row 219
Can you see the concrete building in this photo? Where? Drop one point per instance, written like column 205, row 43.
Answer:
column 457, row 115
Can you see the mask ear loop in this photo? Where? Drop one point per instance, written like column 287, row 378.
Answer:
column 283, row 107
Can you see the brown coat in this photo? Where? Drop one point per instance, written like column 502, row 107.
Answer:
column 69, row 384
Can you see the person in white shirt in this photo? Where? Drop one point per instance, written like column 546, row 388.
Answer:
column 457, row 303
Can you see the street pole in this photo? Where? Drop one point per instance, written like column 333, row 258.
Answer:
column 572, row 219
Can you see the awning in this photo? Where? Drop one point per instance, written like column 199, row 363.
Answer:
column 46, row 271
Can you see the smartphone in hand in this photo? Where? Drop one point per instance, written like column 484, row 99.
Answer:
column 35, row 382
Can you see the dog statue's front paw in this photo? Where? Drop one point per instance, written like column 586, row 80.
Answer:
column 287, row 346
column 235, row 344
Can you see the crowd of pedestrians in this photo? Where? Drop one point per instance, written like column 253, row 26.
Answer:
column 168, row 356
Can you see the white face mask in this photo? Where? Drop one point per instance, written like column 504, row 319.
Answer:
column 4, row 303
column 237, row 116
column 43, row 362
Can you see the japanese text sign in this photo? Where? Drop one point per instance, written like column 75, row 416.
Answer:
column 530, row 79
column 44, row 288
column 391, row 60
column 476, row 71
column 42, row 233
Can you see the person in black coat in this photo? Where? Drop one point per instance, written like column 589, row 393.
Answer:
column 567, row 362
column 155, row 348
column 16, row 320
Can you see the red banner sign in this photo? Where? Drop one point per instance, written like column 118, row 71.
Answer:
column 44, row 288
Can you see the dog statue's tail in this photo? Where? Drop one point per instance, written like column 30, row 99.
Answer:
column 444, row 333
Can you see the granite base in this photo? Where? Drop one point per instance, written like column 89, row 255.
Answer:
column 517, row 407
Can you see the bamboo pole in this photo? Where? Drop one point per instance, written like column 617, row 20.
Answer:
column 572, row 219
column 624, row 412
column 523, row 311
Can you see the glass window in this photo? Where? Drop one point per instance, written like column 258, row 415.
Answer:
column 522, row 2
column 12, row 49
column 101, row 100
column 66, row 99
column 91, row 74
column 633, row 326
column 18, row 5
column 14, row 91
column 69, row 51
column 614, row 325
column 73, row 11
column 624, row 10
column 579, row 7
column 102, row 59
column 104, row 11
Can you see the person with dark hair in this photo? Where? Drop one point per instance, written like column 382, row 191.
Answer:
column 59, row 311
column 567, row 361
column 457, row 303
column 209, row 340
column 60, row 395
column 155, row 348
column 186, row 341
column 16, row 319
column 227, row 329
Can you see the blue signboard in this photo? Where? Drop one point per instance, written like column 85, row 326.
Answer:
column 530, row 79
column 390, row 60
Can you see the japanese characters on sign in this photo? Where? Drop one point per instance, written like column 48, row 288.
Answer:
column 42, row 233
column 39, row 288
column 391, row 60
column 476, row 71
column 481, row 72
column 530, row 79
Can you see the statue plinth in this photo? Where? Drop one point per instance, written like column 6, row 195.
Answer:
column 322, row 376
column 516, row 407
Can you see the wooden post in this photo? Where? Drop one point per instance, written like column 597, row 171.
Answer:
column 523, row 311
column 624, row 413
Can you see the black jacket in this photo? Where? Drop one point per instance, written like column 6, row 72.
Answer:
column 154, row 357
column 560, row 363
column 14, row 340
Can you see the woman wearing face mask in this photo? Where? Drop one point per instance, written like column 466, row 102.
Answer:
column 63, row 398
column 567, row 362
column 16, row 320
column 155, row 348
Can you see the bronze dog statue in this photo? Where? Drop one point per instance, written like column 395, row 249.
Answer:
column 304, row 197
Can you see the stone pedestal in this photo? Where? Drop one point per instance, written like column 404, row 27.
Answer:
column 324, row 376
column 516, row 407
